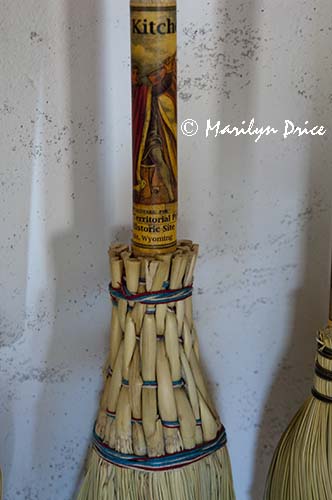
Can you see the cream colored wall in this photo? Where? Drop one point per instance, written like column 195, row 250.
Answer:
column 260, row 211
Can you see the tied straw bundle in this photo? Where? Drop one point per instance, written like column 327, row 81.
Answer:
column 157, row 435
column 301, row 467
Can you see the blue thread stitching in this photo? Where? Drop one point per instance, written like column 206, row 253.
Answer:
column 175, row 460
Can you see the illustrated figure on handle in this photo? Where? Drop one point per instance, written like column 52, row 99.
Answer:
column 157, row 435
column 154, row 141
column 301, row 467
column 154, row 122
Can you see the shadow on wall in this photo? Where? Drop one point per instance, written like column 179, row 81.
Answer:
column 226, row 51
column 223, row 59
column 293, row 380
column 234, row 66
column 7, row 449
column 81, row 266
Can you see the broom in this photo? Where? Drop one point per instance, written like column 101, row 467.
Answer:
column 157, row 435
column 301, row 467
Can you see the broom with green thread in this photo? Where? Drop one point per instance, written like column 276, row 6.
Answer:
column 301, row 467
column 157, row 435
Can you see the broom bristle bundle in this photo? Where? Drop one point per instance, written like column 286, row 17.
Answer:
column 172, row 346
column 161, row 311
column 122, row 312
column 116, row 381
column 155, row 401
column 187, row 338
column 192, row 394
column 200, row 382
column 210, row 478
column 135, row 385
column 129, row 345
column 116, row 270
column 123, row 439
column 188, row 308
column 186, row 419
column 209, row 423
column 302, row 464
column 115, row 337
column 133, row 267
column 166, row 401
column 139, row 445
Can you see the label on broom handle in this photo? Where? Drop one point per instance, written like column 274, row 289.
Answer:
column 154, row 125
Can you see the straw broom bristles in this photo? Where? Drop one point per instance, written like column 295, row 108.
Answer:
column 186, row 419
column 151, row 422
column 192, row 394
column 201, row 480
column 155, row 400
column 301, row 468
column 135, row 387
column 166, row 401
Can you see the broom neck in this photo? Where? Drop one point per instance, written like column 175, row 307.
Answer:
column 154, row 126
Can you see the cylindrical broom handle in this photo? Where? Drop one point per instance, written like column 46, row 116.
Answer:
column 154, row 125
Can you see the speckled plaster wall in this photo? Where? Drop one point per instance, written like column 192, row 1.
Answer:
column 261, row 212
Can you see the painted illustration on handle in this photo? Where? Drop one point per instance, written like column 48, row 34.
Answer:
column 154, row 119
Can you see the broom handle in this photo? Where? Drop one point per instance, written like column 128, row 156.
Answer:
column 154, row 124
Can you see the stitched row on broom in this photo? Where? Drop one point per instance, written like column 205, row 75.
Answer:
column 163, row 463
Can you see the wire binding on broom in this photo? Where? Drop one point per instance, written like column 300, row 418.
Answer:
column 163, row 296
column 323, row 350
column 150, row 384
column 171, row 424
column 166, row 462
column 154, row 383
column 320, row 397
column 323, row 372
